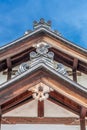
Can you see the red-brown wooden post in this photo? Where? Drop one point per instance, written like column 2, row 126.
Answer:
column 75, row 65
column 40, row 108
column 0, row 117
column 82, row 118
column 9, row 66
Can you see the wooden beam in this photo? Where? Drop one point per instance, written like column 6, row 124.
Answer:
column 19, row 48
column 62, row 57
column 59, row 56
column 23, row 54
column 44, row 76
column 63, row 101
column 44, row 120
column 17, row 101
column 40, row 108
column 82, row 118
column 75, row 65
column 19, row 87
column 9, row 66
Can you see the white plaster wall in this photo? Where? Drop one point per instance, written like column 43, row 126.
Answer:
column 30, row 110
column 3, row 78
column 39, row 127
column 82, row 80
column 53, row 110
column 27, row 110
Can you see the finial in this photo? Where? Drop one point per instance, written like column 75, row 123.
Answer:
column 43, row 23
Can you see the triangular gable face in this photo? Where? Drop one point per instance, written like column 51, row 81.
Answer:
column 66, row 52
column 43, row 68
column 54, row 110
column 43, row 81
column 30, row 109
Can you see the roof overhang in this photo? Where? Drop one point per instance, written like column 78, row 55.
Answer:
column 47, row 75
column 65, row 50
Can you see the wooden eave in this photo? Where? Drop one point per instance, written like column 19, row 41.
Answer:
column 66, row 94
column 44, row 74
column 65, row 52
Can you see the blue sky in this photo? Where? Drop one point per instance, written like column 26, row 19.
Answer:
column 69, row 17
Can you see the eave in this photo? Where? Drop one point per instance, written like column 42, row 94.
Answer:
column 48, row 31
column 18, row 51
column 45, row 74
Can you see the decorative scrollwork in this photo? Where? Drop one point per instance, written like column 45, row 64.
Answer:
column 42, row 55
column 22, row 68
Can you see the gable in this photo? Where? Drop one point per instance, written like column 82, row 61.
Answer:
column 42, row 68
column 30, row 110
column 44, row 52
column 18, row 50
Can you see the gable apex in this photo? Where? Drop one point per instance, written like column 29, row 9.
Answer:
column 45, row 27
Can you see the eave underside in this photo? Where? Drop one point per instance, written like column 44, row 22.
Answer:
column 19, row 54
column 19, row 94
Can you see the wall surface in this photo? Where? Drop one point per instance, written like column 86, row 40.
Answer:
column 39, row 127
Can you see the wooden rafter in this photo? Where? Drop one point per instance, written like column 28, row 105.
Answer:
column 22, row 57
column 19, row 48
column 19, row 87
column 61, row 57
column 17, row 101
column 63, row 101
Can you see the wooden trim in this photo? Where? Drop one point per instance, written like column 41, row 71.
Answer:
column 44, row 120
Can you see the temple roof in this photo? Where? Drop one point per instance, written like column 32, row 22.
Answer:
column 43, row 60
column 43, row 26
